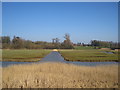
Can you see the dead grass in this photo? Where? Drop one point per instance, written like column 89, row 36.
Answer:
column 0, row 78
column 59, row 75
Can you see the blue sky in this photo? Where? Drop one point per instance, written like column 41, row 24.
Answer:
column 0, row 18
column 84, row 21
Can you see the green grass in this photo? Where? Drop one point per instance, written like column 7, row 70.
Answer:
column 24, row 55
column 83, row 47
column 88, row 55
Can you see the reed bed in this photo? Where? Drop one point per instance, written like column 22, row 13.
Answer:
column 60, row 75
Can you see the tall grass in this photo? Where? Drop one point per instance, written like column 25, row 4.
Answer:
column 0, row 78
column 24, row 54
column 59, row 75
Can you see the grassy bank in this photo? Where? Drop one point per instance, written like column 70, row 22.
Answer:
column 90, row 55
column 24, row 55
column 59, row 75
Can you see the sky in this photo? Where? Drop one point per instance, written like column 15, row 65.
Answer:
column 42, row 21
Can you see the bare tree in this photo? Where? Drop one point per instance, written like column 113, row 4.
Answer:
column 67, row 36
column 67, row 43
column 57, row 40
column 53, row 40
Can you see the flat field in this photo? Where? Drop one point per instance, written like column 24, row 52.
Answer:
column 83, row 47
column 89, row 55
column 24, row 55
column 85, row 55
column 60, row 75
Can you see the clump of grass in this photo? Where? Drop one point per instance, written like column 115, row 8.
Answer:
column 24, row 55
column 88, row 55
column 60, row 75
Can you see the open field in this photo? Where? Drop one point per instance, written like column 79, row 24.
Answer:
column 83, row 47
column 60, row 75
column 89, row 55
column 24, row 55
column 85, row 54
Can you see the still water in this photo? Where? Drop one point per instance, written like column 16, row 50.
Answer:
column 56, row 57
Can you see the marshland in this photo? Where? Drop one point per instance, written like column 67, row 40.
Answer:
column 24, row 55
column 60, row 75
column 57, row 74
column 59, row 45
column 81, row 67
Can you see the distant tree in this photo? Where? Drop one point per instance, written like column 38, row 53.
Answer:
column 0, row 42
column 17, row 43
column 83, row 44
column 57, row 40
column 53, row 40
column 5, row 42
column 6, row 39
column 55, row 43
column 114, row 45
column 78, row 44
column 67, row 44
column 104, row 44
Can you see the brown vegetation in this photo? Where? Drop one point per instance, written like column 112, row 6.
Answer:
column 105, row 48
column 59, row 75
column 19, row 43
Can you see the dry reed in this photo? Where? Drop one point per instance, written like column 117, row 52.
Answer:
column 60, row 75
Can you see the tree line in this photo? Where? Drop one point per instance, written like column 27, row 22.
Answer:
column 105, row 44
column 19, row 43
